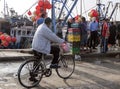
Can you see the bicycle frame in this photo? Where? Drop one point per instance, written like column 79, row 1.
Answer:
column 43, row 62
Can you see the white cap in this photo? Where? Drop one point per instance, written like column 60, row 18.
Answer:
column 93, row 18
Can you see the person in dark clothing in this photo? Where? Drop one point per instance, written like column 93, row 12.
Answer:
column 112, row 30
column 118, row 34
column 93, row 26
column 59, row 28
column 70, row 21
column 83, row 27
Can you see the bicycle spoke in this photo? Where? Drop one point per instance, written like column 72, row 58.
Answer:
column 26, row 71
column 67, row 67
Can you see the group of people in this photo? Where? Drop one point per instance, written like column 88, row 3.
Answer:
column 93, row 34
column 106, row 34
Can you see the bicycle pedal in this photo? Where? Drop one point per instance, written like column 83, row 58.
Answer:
column 33, row 79
column 48, row 72
column 54, row 66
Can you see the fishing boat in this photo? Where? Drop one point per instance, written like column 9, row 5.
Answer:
column 22, row 27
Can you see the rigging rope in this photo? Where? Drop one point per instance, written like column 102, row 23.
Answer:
column 30, row 7
column 89, row 9
column 76, row 10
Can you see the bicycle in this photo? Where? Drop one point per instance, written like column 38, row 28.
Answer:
column 34, row 67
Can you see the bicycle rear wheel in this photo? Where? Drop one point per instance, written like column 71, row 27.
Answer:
column 67, row 66
column 27, row 70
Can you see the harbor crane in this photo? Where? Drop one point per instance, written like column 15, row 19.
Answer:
column 63, row 7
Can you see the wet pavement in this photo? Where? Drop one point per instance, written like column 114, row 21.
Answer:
column 101, row 72
column 98, row 74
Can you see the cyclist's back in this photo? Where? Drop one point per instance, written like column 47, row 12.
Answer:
column 43, row 38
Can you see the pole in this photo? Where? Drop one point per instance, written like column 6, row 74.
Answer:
column 99, row 4
column 81, row 7
column 53, row 17
column 4, row 9
column 69, row 12
column 62, row 9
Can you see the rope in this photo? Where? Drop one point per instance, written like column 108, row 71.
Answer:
column 76, row 10
column 89, row 9
column 30, row 8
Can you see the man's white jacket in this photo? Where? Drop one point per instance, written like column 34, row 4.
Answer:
column 42, row 39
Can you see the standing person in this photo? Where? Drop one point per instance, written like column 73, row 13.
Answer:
column 112, row 37
column 105, row 35
column 40, row 20
column 83, row 27
column 93, row 27
column 59, row 28
column 18, row 40
column 42, row 41
column 70, row 21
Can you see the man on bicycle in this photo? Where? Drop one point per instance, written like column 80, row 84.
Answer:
column 42, row 41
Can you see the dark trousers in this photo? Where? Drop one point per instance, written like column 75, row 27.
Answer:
column 59, row 34
column 55, row 51
column 93, row 39
column 104, row 45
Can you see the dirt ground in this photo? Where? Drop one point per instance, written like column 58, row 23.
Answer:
column 97, row 74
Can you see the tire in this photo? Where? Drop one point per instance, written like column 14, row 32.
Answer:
column 67, row 66
column 24, row 73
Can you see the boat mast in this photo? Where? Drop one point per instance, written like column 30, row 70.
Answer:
column 4, row 10
column 99, row 7
column 101, row 15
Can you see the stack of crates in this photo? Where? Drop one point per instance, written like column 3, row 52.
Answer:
column 74, row 38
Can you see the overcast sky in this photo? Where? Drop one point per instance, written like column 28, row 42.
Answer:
column 21, row 6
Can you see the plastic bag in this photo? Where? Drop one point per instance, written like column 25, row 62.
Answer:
column 65, row 47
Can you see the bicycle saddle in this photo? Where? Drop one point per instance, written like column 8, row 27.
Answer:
column 38, row 55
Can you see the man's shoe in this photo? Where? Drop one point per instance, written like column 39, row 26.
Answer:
column 54, row 66
column 94, row 48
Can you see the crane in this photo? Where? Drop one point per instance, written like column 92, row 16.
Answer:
column 109, row 3
column 64, row 6
column 105, row 14
column 115, row 7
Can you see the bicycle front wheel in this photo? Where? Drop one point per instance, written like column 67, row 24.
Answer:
column 67, row 66
column 27, row 70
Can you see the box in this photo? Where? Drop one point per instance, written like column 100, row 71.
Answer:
column 75, row 50
column 75, row 44
column 75, row 25
column 74, row 31
column 73, row 38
